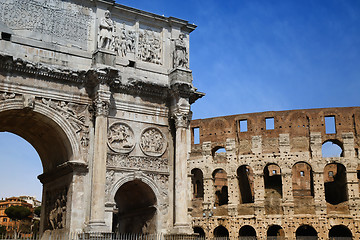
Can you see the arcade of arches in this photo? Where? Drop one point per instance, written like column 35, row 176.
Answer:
column 292, row 181
column 109, row 115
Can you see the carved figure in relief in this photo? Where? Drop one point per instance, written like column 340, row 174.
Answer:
column 149, row 47
column 180, row 53
column 120, row 138
column 58, row 211
column 152, row 142
column 106, row 28
column 125, row 42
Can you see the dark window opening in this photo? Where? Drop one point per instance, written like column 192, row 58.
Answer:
column 306, row 231
column 269, row 123
column 243, row 125
column 275, row 231
column 330, row 125
column 198, row 183
column 335, row 183
column 221, row 188
column 248, row 232
column 131, row 64
column 6, row 36
column 340, row 231
column 246, row 187
column 222, row 232
column 199, row 231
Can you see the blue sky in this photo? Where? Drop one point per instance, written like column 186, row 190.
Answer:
column 254, row 56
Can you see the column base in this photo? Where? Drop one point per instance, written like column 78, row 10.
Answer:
column 97, row 226
column 182, row 228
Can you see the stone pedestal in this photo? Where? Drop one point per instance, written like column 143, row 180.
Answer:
column 104, row 57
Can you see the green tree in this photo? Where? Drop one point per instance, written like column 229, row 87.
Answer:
column 17, row 213
column 37, row 211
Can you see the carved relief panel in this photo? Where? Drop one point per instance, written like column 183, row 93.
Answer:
column 153, row 142
column 55, row 208
column 121, row 138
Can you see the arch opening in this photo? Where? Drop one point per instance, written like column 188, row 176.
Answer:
column 332, row 148
column 48, row 135
column 275, row 232
column 247, row 233
column 197, row 181
column 340, row 232
column 335, row 183
column 306, row 232
column 136, row 209
column 273, row 189
column 221, row 188
column 219, row 154
column 246, row 184
column 199, row 231
column 221, row 232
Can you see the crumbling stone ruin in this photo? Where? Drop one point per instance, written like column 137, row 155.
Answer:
column 265, row 175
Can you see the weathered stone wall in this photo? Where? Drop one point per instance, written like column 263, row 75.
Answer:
column 291, row 182
column 103, row 92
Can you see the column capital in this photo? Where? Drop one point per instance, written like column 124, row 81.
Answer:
column 182, row 118
column 101, row 107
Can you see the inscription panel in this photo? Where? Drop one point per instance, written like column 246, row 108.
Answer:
column 61, row 21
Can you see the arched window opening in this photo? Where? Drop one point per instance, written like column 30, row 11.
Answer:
column 275, row 232
column 272, row 179
column 200, row 231
column 20, row 166
column 136, row 205
column 302, row 180
column 247, row 233
column 340, row 232
column 246, row 184
column 219, row 154
column 197, row 183
column 221, row 188
column 335, row 183
column 332, row 148
column 306, row 232
column 221, row 232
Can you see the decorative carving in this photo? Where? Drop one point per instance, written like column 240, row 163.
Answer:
column 4, row 96
column 56, row 18
column 162, row 180
column 75, row 114
column 180, row 53
column 147, row 163
column 106, row 30
column 149, row 46
column 29, row 101
column 182, row 118
column 101, row 107
column 125, row 42
column 120, row 138
column 153, row 142
column 56, row 208
column 109, row 181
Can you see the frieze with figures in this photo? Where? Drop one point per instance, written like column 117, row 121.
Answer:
column 136, row 162
column 56, row 208
column 76, row 114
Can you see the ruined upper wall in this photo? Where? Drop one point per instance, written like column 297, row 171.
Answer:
column 296, row 128
column 68, row 32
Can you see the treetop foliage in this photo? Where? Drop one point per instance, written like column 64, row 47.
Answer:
column 17, row 212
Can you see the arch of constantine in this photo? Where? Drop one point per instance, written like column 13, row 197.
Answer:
column 103, row 93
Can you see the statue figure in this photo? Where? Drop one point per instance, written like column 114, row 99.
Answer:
column 106, row 32
column 180, row 53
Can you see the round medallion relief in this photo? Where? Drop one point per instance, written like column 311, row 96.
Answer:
column 153, row 142
column 121, row 138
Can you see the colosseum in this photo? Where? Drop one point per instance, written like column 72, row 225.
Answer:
column 266, row 175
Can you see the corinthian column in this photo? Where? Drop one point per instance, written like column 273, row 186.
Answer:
column 97, row 211
column 182, row 120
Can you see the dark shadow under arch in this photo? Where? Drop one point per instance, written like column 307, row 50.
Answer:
column 136, row 208
column 340, row 232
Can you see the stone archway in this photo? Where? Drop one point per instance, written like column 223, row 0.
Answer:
column 55, row 141
column 136, row 208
